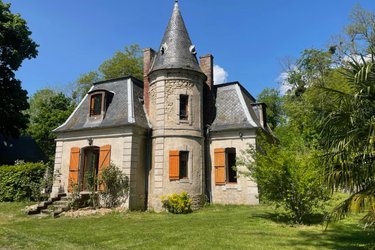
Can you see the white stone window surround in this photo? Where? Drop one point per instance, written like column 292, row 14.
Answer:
column 178, row 93
column 189, row 178
column 231, row 186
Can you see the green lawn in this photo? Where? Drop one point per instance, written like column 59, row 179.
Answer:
column 214, row 227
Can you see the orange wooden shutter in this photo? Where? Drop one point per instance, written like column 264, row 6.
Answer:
column 104, row 161
column 174, row 165
column 219, row 158
column 73, row 168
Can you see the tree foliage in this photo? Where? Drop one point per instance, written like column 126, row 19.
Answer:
column 332, row 103
column 358, row 40
column 48, row 110
column 288, row 173
column 273, row 100
column 15, row 46
column 330, row 113
column 348, row 130
column 123, row 63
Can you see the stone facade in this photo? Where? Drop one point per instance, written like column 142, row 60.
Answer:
column 171, row 133
column 127, row 151
column 245, row 191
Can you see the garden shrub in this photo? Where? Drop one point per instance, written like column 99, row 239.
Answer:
column 288, row 174
column 115, row 186
column 177, row 203
column 21, row 182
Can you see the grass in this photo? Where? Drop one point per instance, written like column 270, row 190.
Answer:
column 213, row 227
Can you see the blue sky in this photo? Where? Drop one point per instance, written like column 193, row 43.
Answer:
column 248, row 38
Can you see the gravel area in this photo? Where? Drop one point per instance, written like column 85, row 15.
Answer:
column 90, row 211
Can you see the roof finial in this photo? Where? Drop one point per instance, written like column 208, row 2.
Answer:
column 176, row 1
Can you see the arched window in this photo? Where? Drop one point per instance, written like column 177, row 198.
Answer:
column 99, row 101
column 96, row 104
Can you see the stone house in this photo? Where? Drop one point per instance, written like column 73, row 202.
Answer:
column 175, row 131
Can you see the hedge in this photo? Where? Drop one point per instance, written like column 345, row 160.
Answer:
column 21, row 182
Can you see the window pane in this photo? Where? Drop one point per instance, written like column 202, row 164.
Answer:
column 184, row 157
column 184, row 102
column 231, row 156
column 96, row 104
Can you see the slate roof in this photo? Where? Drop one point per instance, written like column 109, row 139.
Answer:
column 117, row 113
column 176, row 46
column 234, row 108
column 22, row 148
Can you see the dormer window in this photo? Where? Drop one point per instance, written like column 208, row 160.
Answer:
column 99, row 102
column 96, row 104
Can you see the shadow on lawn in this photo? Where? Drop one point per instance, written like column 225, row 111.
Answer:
column 312, row 219
column 347, row 236
column 336, row 236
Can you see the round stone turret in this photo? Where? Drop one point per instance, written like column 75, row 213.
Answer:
column 176, row 104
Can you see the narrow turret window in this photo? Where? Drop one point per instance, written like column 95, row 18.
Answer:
column 184, row 157
column 184, row 104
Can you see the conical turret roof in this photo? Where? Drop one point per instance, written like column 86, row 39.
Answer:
column 176, row 50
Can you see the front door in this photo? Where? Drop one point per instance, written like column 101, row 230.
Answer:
column 90, row 169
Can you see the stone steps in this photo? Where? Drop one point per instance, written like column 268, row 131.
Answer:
column 53, row 206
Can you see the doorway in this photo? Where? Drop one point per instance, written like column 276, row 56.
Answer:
column 89, row 171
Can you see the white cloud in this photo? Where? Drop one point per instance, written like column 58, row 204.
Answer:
column 282, row 79
column 220, row 75
column 357, row 58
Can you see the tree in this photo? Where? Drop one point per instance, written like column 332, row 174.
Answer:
column 288, row 173
column 15, row 46
column 273, row 100
column 305, row 104
column 347, row 121
column 358, row 40
column 123, row 63
column 348, row 130
column 337, row 106
column 129, row 62
column 84, row 83
column 48, row 110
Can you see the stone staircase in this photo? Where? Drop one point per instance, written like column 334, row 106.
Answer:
column 52, row 207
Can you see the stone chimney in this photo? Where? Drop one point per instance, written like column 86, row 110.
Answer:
column 260, row 109
column 148, row 57
column 207, row 66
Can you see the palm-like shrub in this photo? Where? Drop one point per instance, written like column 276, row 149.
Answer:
column 349, row 135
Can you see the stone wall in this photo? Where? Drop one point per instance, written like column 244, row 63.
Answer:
column 128, row 146
column 245, row 191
